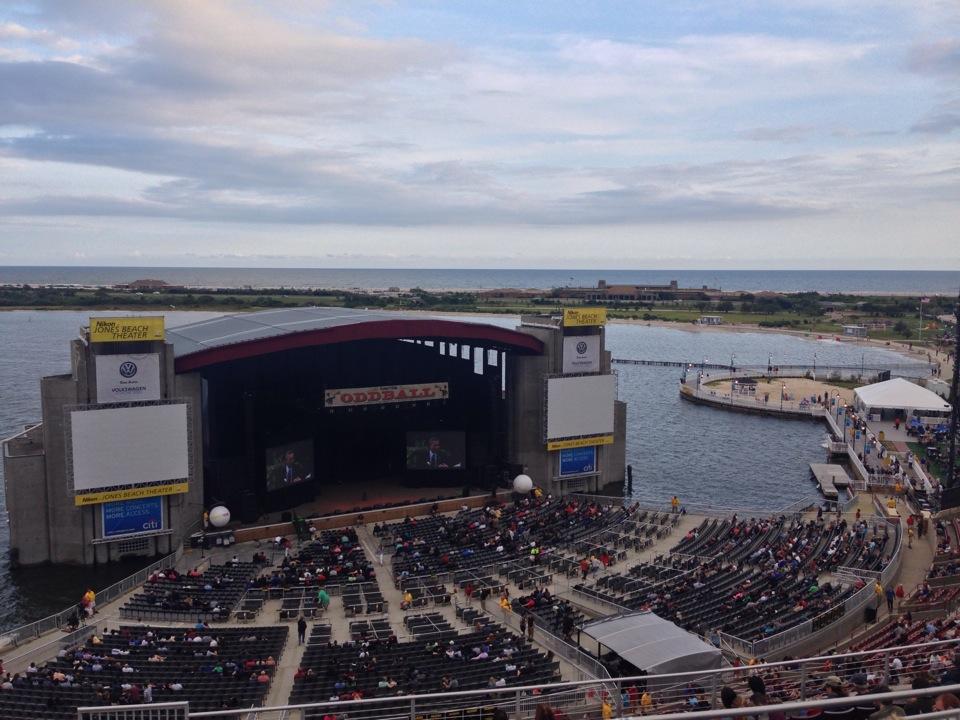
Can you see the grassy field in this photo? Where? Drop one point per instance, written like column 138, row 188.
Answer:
column 933, row 466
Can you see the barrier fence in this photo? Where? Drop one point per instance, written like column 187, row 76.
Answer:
column 64, row 618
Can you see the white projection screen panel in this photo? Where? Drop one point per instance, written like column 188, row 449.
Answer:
column 129, row 446
column 580, row 406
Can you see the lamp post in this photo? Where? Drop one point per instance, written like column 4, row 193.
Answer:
column 814, row 366
column 783, row 386
column 733, row 382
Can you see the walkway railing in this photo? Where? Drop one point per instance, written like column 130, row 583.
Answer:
column 64, row 618
column 795, row 370
column 771, row 405
column 589, row 667
column 155, row 711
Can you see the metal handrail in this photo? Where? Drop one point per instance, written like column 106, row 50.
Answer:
column 542, row 691
column 31, row 631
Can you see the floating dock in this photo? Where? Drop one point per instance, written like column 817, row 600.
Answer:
column 829, row 478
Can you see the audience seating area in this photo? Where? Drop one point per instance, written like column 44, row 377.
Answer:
column 748, row 578
column 499, row 532
column 211, row 668
column 430, row 626
column 363, row 598
column 375, row 668
column 333, row 561
column 380, row 629
column 209, row 596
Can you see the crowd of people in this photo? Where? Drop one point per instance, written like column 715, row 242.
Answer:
column 335, row 557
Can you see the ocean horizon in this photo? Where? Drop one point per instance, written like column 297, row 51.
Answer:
column 880, row 282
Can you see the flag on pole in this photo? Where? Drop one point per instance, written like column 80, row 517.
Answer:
column 924, row 300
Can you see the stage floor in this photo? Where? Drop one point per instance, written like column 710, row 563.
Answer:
column 353, row 497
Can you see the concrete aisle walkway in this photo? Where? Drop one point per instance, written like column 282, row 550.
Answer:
column 289, row 663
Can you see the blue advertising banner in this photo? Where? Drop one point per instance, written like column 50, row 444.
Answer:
column 577, row 461
column 127, row 517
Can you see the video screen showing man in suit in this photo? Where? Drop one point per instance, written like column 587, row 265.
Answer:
column 435, row 451
column 289, row 464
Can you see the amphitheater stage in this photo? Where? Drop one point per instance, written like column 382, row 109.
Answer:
column 344, row 498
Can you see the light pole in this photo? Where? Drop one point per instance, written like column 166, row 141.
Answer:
column 814, row 366
column 862, row 355
column 733, row 382
column 783, row 386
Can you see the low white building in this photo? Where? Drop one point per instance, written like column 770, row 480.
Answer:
column 900, row 398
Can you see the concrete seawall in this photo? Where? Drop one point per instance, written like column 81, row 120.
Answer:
column 767, row 410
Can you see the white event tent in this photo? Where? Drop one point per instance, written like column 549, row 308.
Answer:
column 651, row 643
column 899, row 398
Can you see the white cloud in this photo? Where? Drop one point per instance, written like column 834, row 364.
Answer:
column 291, row 116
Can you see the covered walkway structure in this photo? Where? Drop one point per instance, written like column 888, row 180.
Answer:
column 650, row 643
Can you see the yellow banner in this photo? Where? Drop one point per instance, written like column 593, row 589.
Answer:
column 584, row 317
column 126, row 329
column 580, row 442
column 95, row 498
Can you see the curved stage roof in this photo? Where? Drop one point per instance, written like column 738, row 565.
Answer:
column 246, row 335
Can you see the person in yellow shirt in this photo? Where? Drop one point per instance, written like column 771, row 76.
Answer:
column 675, row 504
column 407, row 600
column 646, row 702
column 606, row 710
column 89, row 602
column 505, row 603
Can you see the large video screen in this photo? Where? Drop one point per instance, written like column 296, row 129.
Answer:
column 581, row 405
column 117, row 447
column 289, row 464
column 436, row 450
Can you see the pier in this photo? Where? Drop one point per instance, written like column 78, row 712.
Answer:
column 829, row 478
column 792, row 370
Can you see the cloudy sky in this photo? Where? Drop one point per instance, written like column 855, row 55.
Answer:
column 774, row 133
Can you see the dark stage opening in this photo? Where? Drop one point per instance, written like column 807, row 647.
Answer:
column 273, row 439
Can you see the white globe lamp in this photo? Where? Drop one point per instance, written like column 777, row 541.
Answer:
column 219, row 516
column 522, row 484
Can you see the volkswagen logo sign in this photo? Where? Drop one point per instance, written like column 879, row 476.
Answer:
column 128, row 369
column 582, row 347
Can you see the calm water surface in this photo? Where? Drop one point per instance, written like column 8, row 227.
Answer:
column 824, row 281
column 706, row 456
